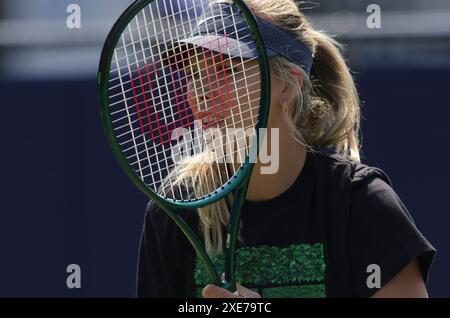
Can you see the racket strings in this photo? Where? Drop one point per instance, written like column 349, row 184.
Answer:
column 168, row 61
column 163, row 101
column 181, row 13
column 150, row 123
column 195, row 86
column 174, row 133
column 209, row 156
column 199, row 184
column 149, row 94
column 227, row 149
column 176, row 46
column 161, row 164
column 178, row 24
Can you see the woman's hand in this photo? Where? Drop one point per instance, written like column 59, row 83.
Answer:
column 212, row 291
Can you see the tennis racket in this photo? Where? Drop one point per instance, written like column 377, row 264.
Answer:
column 177, row 78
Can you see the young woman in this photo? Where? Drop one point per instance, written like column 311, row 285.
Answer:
column 323, row 225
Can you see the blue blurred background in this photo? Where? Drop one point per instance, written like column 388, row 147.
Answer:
column 65, row 200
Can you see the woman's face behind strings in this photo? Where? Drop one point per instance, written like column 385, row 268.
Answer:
column 223, row 92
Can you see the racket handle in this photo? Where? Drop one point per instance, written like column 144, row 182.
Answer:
column 229, row 281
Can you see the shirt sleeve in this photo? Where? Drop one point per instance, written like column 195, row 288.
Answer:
column 164, row 264
column 382, row 233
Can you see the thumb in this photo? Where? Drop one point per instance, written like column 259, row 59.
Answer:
column 241, row 291
column 246, row 293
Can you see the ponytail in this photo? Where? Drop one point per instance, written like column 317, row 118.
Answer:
column 334, row 99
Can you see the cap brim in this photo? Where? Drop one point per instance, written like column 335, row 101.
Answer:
column 224, row 45
column 219, row 44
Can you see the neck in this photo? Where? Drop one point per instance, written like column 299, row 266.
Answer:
column 262, row 187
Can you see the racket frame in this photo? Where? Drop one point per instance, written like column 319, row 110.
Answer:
column 238, row 182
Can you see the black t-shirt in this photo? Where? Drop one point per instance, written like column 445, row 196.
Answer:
column 337, row 230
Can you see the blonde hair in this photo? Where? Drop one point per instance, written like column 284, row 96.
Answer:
column 325, row 115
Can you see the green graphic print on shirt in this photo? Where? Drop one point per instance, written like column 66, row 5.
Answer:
column 296, row 271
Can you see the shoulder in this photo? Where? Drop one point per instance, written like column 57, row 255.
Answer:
column 370, row 189
column 349, row 170
column 364, row 193
column 373, row 202
column 349, row 178
column 360, row 195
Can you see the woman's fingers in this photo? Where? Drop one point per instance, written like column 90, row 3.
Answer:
column 246, row 293
column 212, row 291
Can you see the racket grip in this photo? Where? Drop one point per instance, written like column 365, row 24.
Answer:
column 229, row 281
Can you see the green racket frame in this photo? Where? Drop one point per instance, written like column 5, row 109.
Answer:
column 239, row 181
